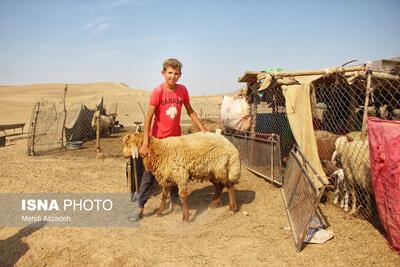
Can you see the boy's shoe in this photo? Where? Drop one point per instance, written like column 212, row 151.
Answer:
column 136, row 216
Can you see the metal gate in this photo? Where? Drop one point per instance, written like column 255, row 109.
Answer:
column 260, row 153
column 301, row 195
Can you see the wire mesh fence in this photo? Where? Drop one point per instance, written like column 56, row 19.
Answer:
column 68, row 127
column 271, row 118
column 45, row 128
column 340, row 104
column 343, row 107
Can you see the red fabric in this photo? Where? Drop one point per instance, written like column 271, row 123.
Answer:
column 384, row 151
column 167, row 117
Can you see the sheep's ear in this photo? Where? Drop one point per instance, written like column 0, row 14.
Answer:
column 138, row 138
column 125, row 138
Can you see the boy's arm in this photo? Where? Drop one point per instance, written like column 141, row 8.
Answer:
column 144, row 149
column 193, row 116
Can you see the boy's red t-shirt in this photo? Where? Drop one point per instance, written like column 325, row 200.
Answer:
column 168, row 103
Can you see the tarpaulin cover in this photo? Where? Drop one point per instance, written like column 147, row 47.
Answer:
column 298, row 109
column 384, row 151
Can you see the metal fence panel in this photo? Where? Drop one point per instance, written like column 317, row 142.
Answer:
column 264, row 157
column 261, row 154
column 300, row 195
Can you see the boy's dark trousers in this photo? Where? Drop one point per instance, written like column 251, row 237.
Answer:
column 146, row 184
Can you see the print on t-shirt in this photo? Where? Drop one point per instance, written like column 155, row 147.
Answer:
column 171, row 112
column 169, row 100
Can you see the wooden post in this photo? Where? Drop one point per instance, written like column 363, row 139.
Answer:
column 365, row 115
column 65, row 117
column 261, row 75
column 253, row 108
column 98, row 149
column 31, row 148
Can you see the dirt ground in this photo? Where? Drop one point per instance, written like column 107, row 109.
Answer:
column 213, row 237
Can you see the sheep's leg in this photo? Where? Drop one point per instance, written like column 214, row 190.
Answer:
column 185, row 206
column 346, row 201
column 337, row 193
column 341, row 193
column 354, row 200
column 216, row 201
column 232, row 200
column 164, row 196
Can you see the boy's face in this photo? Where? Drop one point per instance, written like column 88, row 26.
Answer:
column 171, row 76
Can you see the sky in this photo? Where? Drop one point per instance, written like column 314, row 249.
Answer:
column 76, row 41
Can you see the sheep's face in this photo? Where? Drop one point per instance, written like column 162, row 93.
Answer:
column 132, row 143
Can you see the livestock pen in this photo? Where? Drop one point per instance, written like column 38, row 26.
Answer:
column 314, row 108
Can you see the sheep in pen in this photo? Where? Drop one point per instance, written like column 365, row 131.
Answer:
column 342, row 104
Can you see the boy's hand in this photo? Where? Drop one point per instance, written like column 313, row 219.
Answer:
column 144, row 150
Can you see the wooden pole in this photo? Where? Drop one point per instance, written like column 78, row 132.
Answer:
column 262, row 75
column 385, row 76
column 65, row 116
column 34, row 124
column 98, row 148
column 366, row 103
column 253, row 76
column 253, row 108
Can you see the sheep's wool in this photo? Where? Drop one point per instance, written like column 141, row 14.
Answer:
column 355, row 158
column 198, row 156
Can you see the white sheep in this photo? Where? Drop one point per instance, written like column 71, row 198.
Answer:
column 106, row 122
column 198, row 156
column 355, row 162
column 341, row 189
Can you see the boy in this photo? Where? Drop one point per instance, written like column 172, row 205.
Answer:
column 166, row 101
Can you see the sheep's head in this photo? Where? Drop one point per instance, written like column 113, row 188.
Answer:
column 132, row 143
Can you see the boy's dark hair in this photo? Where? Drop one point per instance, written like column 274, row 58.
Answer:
column 173, row 63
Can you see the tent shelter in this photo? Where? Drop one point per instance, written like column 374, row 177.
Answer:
column 80, row 128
